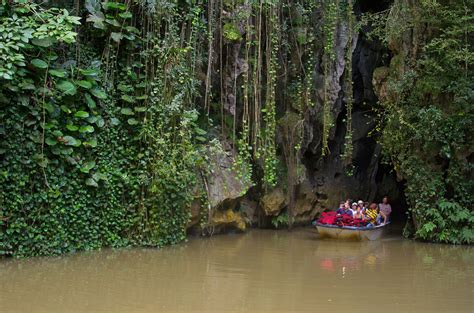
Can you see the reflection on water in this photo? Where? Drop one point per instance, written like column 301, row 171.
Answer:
column 261, row 271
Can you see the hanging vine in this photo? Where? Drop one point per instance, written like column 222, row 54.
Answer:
column 329, row 29
column 272, row 44
column 348, row 148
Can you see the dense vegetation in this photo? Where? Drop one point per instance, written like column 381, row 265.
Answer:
column 108, row 109
column 428, row 115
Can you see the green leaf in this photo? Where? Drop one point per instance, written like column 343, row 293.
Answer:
column 200, row 138
column 97, row 19
column 126, row 15
column 114, row 6
column 116, row 36
column 91, row 143
column 58, row 133
column 125, row 88
column 114, row 121
column 39, row 63
column 84, row 84
column 132, row 121
column 86, row 129
column 81, row 114
column 140, row 109
column 70, row 141
column 99, row 176
column 51, row 141
column 126, row 111
column 112, row 22
column 92, row 119
column 66, row 87
column 49, row 107
column 65, row 109
column 86, row 167
column 67, row 151
column 89, row 72
column 43, row 42
column 100, row 122
column 90, row 102
column 72, row 127
column 71, row 160
column 43, row 162
column 57, row 73
column 99, row 93
column 128, row 99
column 91, row 182
column 200, row 131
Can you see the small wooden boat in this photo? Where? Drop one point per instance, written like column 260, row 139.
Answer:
column 351, row 232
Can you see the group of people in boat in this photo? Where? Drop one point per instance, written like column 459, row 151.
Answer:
column 359, row 214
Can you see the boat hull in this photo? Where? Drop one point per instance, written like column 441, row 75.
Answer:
column 345, row 233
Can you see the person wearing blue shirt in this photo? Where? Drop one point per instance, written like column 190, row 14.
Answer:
column 344, row 208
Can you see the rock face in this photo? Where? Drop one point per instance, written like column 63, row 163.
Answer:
column 307, row 203
column 224, row 187
column 327, row 179
column 273, row 202
column 224, row 191
column 222, row 220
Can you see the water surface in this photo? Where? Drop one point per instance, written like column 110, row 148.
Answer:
column 260, row 271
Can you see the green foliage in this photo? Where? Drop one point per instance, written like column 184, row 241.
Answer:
column 243, row 161
column 231, row 32
column 100, row 130
column 26, row 27
column 428, row 118
column 85, row 161
column 280, row 220
column 269, row 148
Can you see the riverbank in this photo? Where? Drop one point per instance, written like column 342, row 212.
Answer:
column 257, row 271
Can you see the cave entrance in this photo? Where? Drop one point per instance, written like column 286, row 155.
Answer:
column 388, row 185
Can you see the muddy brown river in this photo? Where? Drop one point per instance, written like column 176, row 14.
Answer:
column 260, row 271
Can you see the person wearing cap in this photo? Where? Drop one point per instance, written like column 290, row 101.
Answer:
column 357, row 214
column 354, row 208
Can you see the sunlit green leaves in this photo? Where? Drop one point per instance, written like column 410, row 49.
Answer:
column 81, row 114
column 90, row 102
column 99, row 93
column 116, row 36
column 42, row 42
column 72, row 127
column 89, row 72
column 132, row 121
column 38, row 63
column 57, row 73
column 87, row 166
column 51, row 141
column 126, row 111
column 70, row 141
column 84, row 84
column 67, row 87
column 86, row 129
